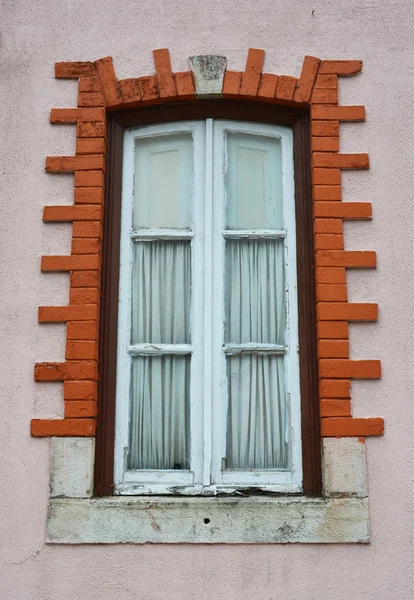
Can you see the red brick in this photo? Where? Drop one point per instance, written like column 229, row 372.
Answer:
column 95, row 145
column 327, row 192
column 329, row 82
column 90, row 99
column 79, row 262
column 82, row 330
column 86, row 245
column 108, row 81
column 84, row 295
column 344, row 210
column 307, row 79
column 85, row 279
column 82, row 229
column 130, row 90
column 323, row 177
column 89, row 84
column 286, row 87
column 73, row 115
column 346, row 258
column 326, row 226
column 81, row 349
column 335, row 408
column 80, row 409
column 331, row 275
column 251, row 75
column 148, row 88
column 334, row 330
column 335, row 388
column 351, row 427
column 331, row 293
column 338, row 113
column 325, row 144
column 326, row 349
column 62, row 371
column 80, row 390
column 91, row 129
column 232, row 83
column 341, row 161
column 336, row 368
column 267, row 86
column 72, row 312
column 340, row 67
column 324, row 97
column 72, row 213
column 89, row 195
column 164, row 72
column 63, row 427
column 64, row 164
column 328, row 241
column 345, row 311
column 325, row 128
column 185, row 85
column 89, row 178
column 73, row 70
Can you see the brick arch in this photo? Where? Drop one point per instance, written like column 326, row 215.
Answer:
column 100, row 92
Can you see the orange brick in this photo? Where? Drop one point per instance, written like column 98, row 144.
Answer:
column 334, row 330
column 62, row 371
column 89, row 195
column 324, row 97
column 251, row 75
column 340, row 67
column 148, row 88
column 346, row 258
column 286, row 87
column 330, row 275
column 165, row 76
column 85, row 279
column 73, row 115
column 326, row 349
column 84, row 296
column 344, row 210
column 108, row 81
column 335, row 388
column 89, row 84
column 81, row 349
column 96, row 145
column 325, row 144
column 322, row 176
column 327, row 192
column 72, row 312
column 86, row 245
column 64, row 164
column 351, row 427
column 335, row 408
column 326, row 226
column 336, row 368
column 327, row 241
column 82, row 330
column 80, row 390
column 73, row 70
column 232, row 83
column 72, row 213
column 70, row 263
column 63, row 427
column 325, row 128
column 91, row 129
column 268, row 85
column 346, row 311
column 80, row 409
column 185, row 85
column 340, row 161
column 331, row 293
column 90, row 99
column 130, row 90
column 338, row 113
column 89, row 179
column 82, row 229
column 326, row 82
column 307, row 79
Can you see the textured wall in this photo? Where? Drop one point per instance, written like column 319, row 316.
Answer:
column 36, row 35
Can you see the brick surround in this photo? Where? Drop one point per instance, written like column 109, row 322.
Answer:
column 100, row 91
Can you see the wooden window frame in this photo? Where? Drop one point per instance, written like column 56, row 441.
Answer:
column 296, row 118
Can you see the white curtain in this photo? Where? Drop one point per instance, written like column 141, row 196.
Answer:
column 255, row 312
column 159, row 414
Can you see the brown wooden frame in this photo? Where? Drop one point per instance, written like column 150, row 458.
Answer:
column 296, row 118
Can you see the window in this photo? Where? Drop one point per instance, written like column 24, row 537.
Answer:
column 208, row 397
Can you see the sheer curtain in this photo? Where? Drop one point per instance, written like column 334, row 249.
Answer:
column 255, row 312
column 159, row 417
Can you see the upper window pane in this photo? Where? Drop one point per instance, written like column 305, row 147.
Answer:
column 254, row 182
column 163, row 182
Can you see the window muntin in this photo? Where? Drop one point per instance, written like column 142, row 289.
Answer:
column 215, row 454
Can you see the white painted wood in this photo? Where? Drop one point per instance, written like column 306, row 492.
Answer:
column 233, row 349
column 254, row 234
column 159, row 349
column 161, row 234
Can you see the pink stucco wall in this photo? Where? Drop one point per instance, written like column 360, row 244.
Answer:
column 36, row 34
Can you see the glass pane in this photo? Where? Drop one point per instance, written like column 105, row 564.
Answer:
column 254, row 182
column 256, row 420
column 159, row 418
column 163, row 182
column 255, row 291
column 161, row 292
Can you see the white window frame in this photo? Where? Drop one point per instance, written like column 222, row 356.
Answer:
column 208, row 404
